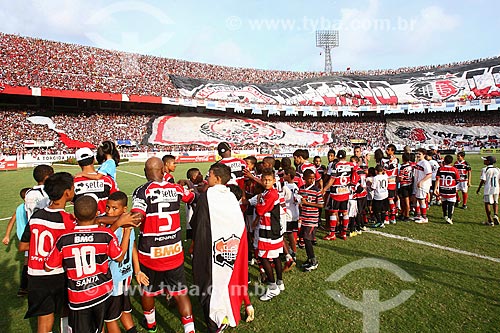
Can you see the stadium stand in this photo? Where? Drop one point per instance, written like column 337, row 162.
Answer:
column 95, row 127
column 26, row 61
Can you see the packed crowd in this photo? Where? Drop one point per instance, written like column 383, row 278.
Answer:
column 16, row 129
column 94, row 127
column 26, row 61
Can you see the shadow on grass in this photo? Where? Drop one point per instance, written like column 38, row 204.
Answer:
column 9, row 284
column 419, row 271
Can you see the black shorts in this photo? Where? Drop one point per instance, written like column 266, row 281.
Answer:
column 46, row 294
column 172, row 282
column 405, row 191
column 338, row 205
column 362, row 204
column 292, row 226
column 392, row 193
column 88, row 320
column 116, row 306
column 380, row 205
column 119, row 304
column 308, row 233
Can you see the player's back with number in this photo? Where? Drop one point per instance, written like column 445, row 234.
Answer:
column 46, row 291
column 160, row 242
column 85, row 252
column 491, row 177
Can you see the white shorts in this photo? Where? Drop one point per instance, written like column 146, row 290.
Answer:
column 462, row 186
column 420, row 193
column 454, row 199
column 352, row 208
column 491, row 198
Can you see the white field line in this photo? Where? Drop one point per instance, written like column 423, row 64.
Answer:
column 132, row 173
column 436, row 246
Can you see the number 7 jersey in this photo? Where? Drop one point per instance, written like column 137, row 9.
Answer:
column 160, row 241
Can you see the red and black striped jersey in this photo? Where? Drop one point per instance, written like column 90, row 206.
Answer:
column 160, row 242
column 101, row 188
column 298, row 181
column 405, row 175
column 309, row 215
column 237, row 166
column 344, row 175
column 359, row 189
column 391, row 170
column 307, row 165
column 448, row 177
column 168, row 178
column 463, row 168
column 43, row 229
column 268, row 208
column 84, row 253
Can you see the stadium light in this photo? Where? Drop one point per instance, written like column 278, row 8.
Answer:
column 327, row 39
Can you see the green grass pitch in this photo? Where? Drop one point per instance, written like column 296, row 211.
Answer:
column 452, row 292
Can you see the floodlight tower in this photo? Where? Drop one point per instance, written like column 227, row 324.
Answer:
column 327, row 39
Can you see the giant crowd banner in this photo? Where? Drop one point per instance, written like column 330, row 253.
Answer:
column 404, row 132
column 477, row 80
column 192, row 128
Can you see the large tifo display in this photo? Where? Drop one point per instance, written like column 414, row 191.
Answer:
column 479, row 80
column 405, row 132
column 189, row 128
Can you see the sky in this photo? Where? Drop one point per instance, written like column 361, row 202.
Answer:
column 373, row 34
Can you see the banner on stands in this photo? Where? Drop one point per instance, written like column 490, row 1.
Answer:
column 210, row 130
column 478, row 80
column 403, row 132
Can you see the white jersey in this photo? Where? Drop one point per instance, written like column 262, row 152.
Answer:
column 434, row 167
column 35, row 199
column 379, row 187
column 491, row 177
column 292, row 199
column 420, row 170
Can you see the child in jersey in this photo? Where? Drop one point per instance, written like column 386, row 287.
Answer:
column 20, row 219
column 108, row 157
column 446, row 186
column 270, row 243
column 405, row 181
column 490, row 178
column 380, row 196
column 292, row 206
column 465, row 172
column 46, row 290
column 84, row 252
column 310, row 205
column 422, row 180
column 119, row 306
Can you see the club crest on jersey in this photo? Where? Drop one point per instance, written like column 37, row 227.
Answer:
column 226, row 250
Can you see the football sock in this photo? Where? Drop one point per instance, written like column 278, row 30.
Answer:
column 64, row 324
column 24, row 277
column 309, row 248
column 150, row 317
column 333, row 222
column 444, row 207
column 188, row 323
column 451, row 208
